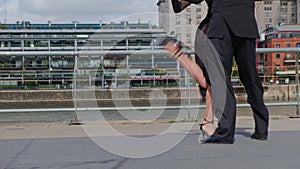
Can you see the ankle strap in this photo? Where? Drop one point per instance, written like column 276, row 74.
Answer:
column 208, row 121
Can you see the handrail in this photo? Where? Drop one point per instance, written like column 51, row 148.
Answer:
column 121, row 52
column 157, row 51
column 131, row 108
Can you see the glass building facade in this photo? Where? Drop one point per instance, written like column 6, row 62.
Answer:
column 42, row 69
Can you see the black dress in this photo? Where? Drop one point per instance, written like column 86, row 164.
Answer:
column 202, row 29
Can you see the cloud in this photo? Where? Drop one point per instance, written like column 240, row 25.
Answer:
column 70, row 10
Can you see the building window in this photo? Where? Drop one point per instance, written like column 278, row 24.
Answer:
column 283, row 3
column 268, row 20
column 178, row 28
column 288, row 45
column 278, row 55
column 277, row 45
column 283, row 10
column 277, row 67
column 268, row 25
column 268, row 2
column 188, row 40
column 179, row 36
column 188, row 35
column 266, row 58
column 298, row 45
column 268, row 8
column 261, row 68
column 188, row 19
column 268, row 14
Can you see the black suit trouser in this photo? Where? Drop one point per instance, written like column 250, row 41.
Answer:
column 244, row 51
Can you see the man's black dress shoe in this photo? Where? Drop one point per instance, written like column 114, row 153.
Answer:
column 258, row 137
column 214, row 140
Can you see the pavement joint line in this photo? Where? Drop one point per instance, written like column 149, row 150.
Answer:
column 24, row 149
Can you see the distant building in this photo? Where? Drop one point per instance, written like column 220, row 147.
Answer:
column 184, row 24
column 279, row 66
column 58, row 70
column 270, row 13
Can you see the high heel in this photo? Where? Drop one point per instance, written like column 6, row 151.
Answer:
column 204, row 133
column 163, row 41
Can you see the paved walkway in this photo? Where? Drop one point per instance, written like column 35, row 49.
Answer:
column 57, row 145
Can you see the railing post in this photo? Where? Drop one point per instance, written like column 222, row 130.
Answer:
column 75, row 121
column 297, row 85
column 189, row 100
column 189, row 93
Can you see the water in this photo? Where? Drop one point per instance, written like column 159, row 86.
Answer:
column 115, row 115
column 108, row 115
column 37, row 116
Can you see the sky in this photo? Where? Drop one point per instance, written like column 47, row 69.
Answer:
column 84, row 11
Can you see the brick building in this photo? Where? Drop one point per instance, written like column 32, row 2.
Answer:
column 279, row 67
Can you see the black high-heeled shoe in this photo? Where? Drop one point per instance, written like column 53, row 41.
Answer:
column 162, row 41
column 204, row 133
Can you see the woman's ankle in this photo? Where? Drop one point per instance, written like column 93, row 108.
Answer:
column 209, row 128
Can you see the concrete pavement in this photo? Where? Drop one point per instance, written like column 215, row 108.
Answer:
column 57, row 145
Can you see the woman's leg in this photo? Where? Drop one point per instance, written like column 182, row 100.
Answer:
column 208, row 120
column 196, row 72
column 193, row 69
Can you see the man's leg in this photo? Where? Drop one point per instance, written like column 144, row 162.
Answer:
column 226, row 129
column 246, row 61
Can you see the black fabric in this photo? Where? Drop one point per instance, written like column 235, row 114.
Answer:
column 202, row 28
column 232, row 29
column 244, row 51
column 177, row 6
column 238, row 15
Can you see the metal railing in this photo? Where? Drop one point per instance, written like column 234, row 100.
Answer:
column 145, row 52
column 123, row 52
